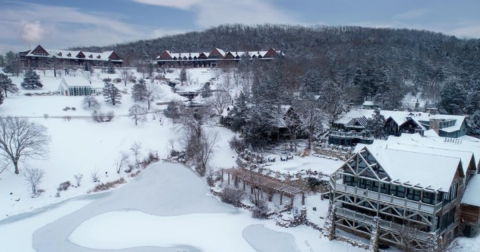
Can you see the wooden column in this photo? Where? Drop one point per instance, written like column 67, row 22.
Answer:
column 228, row 178
column 303, row 199
column 281, row 198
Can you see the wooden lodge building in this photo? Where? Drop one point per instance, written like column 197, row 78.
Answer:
column 212, row 59
column 40, row 57
column 423, row 189
column 349, row 130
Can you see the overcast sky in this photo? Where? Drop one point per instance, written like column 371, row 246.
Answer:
column 67, row 23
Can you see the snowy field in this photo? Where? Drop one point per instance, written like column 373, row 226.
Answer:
column 156, row 212
column 81, row 146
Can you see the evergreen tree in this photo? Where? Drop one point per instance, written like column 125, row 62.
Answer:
column 206, row 91
column 375, row 125
column 11, row 63
column 139, row 91
column 474, row 124
column 183, row 75
column 31, row 80
column 452, row 98
column 312, row 84
column 6, row 85
column 110, row 68
column 2, row 61
column 112, row 94
column 1, row 97
column 473, row 98
column 239, row 113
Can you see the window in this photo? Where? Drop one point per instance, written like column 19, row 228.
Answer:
column 413, row 194
column 428, row 198
column 398, row 191
column 350, row 180
column 384, row 188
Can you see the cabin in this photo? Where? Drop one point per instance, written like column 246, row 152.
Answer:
column 40, row 56
column 422, row 190
column 349, row 130
column 213, row 58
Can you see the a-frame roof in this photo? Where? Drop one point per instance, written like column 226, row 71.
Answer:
column 431, row 171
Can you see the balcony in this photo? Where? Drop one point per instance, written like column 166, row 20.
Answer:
column 389, row 199
column 386, row 225
column 350, row 135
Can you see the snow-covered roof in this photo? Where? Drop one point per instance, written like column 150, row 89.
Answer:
column 401, row 117
column 66, row 54
column 470, row 197
column 78, row 81
column 415, row 168
column 222, row 52
column 368, row 103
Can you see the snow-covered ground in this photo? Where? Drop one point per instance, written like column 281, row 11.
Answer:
column 81, row 146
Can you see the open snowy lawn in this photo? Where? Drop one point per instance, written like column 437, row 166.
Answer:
column 326, row 166
column 465, row 244
column 167, row 206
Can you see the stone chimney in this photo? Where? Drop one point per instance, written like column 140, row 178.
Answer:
column 435, row 125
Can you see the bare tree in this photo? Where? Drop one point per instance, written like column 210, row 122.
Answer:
column 311, row 117
column 20, row 138
column 125, row 75
column 34, row 177
column 95, row 177
column 152, row 92
column 90, row 102
column 78, row 178
column 220, row 100
column 137, row 114
column 205, row 152
column 121, row 161
column 135, row 148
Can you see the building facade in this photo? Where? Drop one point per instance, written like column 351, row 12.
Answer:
column 415, row 190
column 214, row 58
column 40, row 57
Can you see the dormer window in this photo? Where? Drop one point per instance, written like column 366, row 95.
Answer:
column 99, row 57
column 91, row 56
column 69, row 55
column 60, row 54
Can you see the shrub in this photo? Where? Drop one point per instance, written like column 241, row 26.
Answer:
column 66, row 109
column 64, row 186
column 313, row 183
column 73, row 108
column 108, row 185
column 232, row 196
column 260, row 211
column 78, row 178
column 237, row 144
column 46, row 116
column 98, row 116
column 110, row 115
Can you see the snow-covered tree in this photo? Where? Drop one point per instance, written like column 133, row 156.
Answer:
column 139, row 91
column 12, row 64
column 311, row 117
column 474, row 124
column 31, row 80
column 90, row 102
column 376, row 124
column 7, row 85
column 110, row 68
column 239, row 112
column 183, row 75
column 20, row 138
column 125, row 76
column 220, row 100
column 112, row 94
column 332, row 100
column 452, row 98
column 473, row 98
column 34, row 177
column 137, row 114
column 2, row 61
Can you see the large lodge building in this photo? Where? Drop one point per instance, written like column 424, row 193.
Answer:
column 40, row 57
column 214, row 58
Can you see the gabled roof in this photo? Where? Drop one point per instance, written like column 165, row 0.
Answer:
column 68, row 54
column 417, row 169
column 471, row 197
column 401, row 117
column 357, row 122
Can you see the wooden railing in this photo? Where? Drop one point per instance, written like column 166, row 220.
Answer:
column 389, row 199
column 387, row 225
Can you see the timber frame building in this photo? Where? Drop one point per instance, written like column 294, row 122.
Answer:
column 40, row 56
column 415, row 189
column 214, row 58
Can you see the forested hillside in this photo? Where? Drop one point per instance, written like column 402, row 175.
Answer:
column 341, row 64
